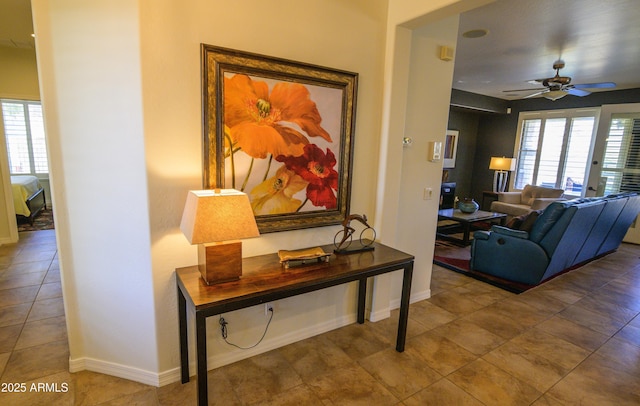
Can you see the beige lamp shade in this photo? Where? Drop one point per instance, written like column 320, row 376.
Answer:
column 502, row 164
column 217, row 215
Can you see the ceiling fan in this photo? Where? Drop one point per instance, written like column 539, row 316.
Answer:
column 560, row 86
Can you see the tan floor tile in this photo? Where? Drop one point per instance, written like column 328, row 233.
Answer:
column 624, row 356
column 9, row 336
column 358, row 341
column 49, row 291
column 42, row 331
column 456, row 301
column 47, row 308
column 315, row 356
column 483, row 293
column 561, row 291
column 146, row 397
column 16, row 296
column 261, row 377
column 351, row 386
column 574, row 333
column 300, row 395
column 92, row 388
column 592, row 320
column 37, row 254
column 607, row 306
column 388, row 327
column 54, row 389
column 53, row 275
column 527, row 315
column 529, row 367
column 470, row 336
column 439, row 353
column 430, row 315
column 630, row 334
column 177, row 392
column 541, row 301
column 4, row 358
column 28, row 267
column 12, row 281
column 555, row 349
column 442, row 392
column 403, row 374
column 493, row 386
column 496, row 322
column 36, row 362
column 593, row 383
column 11, row 315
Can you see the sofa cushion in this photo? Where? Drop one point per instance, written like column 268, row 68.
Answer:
column 510, row 209
column 530, row 193
column 547, row 219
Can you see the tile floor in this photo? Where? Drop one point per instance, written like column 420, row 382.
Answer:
column 574, row 340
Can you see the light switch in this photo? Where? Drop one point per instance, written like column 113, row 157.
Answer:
column 427, row 194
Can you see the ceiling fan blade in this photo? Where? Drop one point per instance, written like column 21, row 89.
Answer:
column 603, row 85
column 577, row 92
column 536, row 94
column 523, row 90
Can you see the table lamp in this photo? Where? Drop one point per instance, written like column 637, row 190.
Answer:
column 215, row 219
column 502, row 166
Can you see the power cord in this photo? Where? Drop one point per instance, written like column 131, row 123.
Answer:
column 225, row 331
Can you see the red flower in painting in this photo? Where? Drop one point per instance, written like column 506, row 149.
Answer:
column 316, row 167
column 264, row 123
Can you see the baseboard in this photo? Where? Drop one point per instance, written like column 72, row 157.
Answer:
column 110, row 368
column 218, row 360
column 8, row 240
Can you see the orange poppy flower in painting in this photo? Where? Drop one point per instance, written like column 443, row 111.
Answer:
column 316, row 167
column 264, row 123
column 275, row 195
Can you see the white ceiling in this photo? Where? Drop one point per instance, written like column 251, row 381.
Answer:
column 599, row 40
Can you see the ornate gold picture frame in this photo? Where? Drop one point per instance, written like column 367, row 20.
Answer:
column 282, row 132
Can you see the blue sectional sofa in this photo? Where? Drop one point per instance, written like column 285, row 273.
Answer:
column 565, row 234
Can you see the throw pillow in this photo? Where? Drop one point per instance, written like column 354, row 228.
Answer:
column 529, row 220
column 524, row 222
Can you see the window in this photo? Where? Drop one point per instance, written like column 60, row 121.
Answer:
column 554, row 149
column 24, row 132
column 621, row 160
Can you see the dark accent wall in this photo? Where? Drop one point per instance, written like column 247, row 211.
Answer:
column 467, row 124
column 495, row 133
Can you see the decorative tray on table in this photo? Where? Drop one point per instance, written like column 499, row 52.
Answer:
column 302, row 256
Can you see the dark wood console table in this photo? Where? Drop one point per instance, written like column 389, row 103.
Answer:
column 264, row 280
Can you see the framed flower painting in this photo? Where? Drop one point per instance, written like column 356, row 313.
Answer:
column 282, row 132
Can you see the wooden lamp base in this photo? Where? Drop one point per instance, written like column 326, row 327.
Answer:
column 221, row 262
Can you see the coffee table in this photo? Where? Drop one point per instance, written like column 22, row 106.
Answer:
column 466, row 220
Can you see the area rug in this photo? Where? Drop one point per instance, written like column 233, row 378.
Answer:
column 456, row 258
column 43, row 221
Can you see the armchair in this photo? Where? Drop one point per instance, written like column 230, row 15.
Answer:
column 529, row 199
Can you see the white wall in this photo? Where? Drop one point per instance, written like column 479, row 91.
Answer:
column 122, row 104
column 89, row 63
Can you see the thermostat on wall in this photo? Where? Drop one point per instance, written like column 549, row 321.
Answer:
column 435, row 151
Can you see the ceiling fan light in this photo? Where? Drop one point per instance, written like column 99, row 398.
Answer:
column 555, row 94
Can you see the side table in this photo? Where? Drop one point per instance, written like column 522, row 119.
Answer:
column 487, row 197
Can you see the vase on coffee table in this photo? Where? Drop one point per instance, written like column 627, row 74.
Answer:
column 468, row 205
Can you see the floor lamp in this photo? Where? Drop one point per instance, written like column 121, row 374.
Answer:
column 502, row 166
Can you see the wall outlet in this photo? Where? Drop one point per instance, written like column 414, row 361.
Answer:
column 267, row 306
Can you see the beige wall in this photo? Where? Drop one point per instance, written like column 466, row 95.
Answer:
column 18, row 74
column 18, row 80
column 122, row 105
